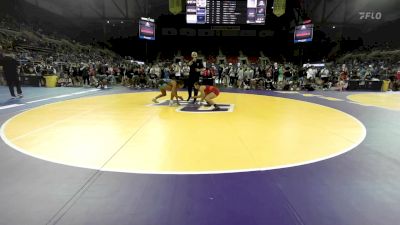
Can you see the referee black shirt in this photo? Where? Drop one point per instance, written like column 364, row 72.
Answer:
column 193, row 74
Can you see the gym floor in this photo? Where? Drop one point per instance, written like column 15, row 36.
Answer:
column 89, row 156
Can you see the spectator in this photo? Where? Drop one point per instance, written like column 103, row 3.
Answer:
column 85, row 76
column 240, row 76
column 196, row 66
column 325, row 77
column 10, row 67
column 343, row 80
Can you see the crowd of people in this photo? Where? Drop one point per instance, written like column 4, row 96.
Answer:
column 75, row 64
column 280, row 76
column 74, row 70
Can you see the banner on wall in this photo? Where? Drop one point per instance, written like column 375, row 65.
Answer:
column 175, row 6
column 279, row 7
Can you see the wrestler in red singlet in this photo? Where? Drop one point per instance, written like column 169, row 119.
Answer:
column 210, row 89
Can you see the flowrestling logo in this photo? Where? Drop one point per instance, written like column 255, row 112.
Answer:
column 370, row 15
column 188, row 107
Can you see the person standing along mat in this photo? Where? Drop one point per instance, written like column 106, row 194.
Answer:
column 196, row 66
column 10, row 67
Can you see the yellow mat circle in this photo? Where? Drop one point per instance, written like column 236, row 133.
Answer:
column 123, row 133
column 383, row 100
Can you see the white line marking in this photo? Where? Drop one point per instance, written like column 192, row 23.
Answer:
column 62, row 96
column 10, row 106
column 40, row 100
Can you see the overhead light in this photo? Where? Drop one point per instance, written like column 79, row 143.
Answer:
column 108, row 21
column 333, row 27
column 122, row 21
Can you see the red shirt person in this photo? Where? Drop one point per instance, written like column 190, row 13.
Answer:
column 207, row 93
